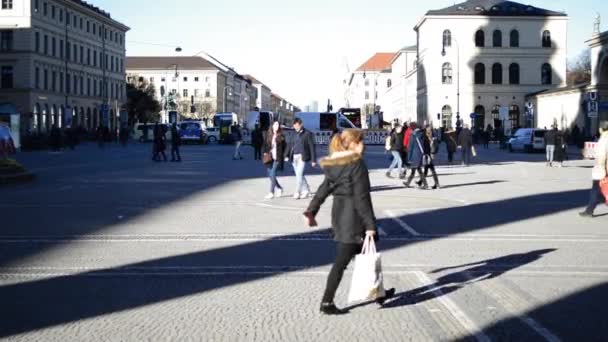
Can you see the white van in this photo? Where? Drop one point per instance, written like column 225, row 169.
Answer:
column 527, row 140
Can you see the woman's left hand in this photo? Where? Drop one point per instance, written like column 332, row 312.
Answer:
column 370, row 232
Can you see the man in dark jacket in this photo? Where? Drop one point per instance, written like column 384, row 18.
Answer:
column 301, row 150
column 237, row 136
column 550, row 140
column 257, row 140
column 397, row 152
column 465, row 141
column 176, row 140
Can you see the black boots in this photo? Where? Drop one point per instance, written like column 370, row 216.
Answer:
column 388, row 294
column 331, row 309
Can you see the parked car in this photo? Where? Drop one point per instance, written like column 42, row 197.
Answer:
column 192, row 131
column 213, row 135
column 527, row 140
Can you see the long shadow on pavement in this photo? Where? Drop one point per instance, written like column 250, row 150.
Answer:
column 38, row 304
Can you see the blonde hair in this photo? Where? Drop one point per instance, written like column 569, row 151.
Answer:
column 341, row 141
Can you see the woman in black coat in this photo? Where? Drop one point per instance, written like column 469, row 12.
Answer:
column 429, row 145
column 274, row 158
column 352, row 216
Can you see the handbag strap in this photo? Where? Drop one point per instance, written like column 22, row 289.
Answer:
column 369, row 246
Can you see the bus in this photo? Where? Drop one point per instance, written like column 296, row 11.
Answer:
column 262, row 118
column 224, row 122
column 352, row 114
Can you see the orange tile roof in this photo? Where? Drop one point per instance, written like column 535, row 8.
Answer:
column 379, row 62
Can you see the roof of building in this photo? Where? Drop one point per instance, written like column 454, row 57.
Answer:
column 255, row 80
column 188, row 63
column 410, row 48
column 576, row 87
column 92, row 8
column 379, row 62
column 497, row 8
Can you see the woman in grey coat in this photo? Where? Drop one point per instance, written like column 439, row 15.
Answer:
column 416, row 157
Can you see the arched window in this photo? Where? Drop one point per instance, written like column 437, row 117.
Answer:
column 497, row 38
column 480, row 73
column 497, row 73
column 447, row 38
column 546, row 39
column 514, row 38
column 446, row 116
column 514, row 73
column 446, row 73
column 389, row 83
column 480, row 117
column 480, row 38
column 546, row 74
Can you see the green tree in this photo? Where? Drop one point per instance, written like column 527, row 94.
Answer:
column 141, row 101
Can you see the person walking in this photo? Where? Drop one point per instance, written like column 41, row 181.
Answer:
column 55, row 138
column 159, row 145
column 487, row 136
column 100, row 136
column 560, row 149
column 550, row 140
column 257, row 140
column 451, row 144
column 301, row 150
column 274, row 150
column 429, row 146
column 352, row 215
column 396, row 142
column 599, row 173
column 416, row 156
column 465, row 141
column 237, row 136
column 176, row 141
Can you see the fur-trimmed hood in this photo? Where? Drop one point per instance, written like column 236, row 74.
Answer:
column 340, row 159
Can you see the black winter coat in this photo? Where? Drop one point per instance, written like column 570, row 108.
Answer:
column 347, row 179
column 397, row 142
column 308, row 140
column 281, row 144
column 416, row 152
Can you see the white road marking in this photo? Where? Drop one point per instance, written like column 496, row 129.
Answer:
column 402, row 223
column 453, row 308
column 514, row 305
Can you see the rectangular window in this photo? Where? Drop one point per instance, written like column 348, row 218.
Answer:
column 185, row 79
column 46, row 44
column 75, row 22
column 95, row 58
column 94, row 87
column 37, row 41
column 7, row 5
column 45, row 9
column 75, row 85
column 6, row 40
column 54, row 81
column 111, row 63
column 195, row 92
column 88, row 87
column 37, row 78
column 185, row 92
column 81, row 24
column 94, row 28
column 207, row 93
column 88, row 56
column 163, row 79
column 81, row 85
column 196, row 79
column 151, row 79
column 7, row 77
column 121, row 66
column 61, row 84
column 67, row 17
column 46, row 79
column 81, row 54
column 36, row 6
column 54, row 47
column 53, row 11
column 75, row 57
column 88, row 26
column 68, row 84
column 68, row 50
column 60, row 15
column 61, row 48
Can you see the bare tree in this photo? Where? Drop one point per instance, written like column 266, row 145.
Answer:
column 579, row 70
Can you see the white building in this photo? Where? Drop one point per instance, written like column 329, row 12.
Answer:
column 369, row 82
column 61, row 56
column 401, row 92
column 264, row 99
column 483, row 55
column 188, row 81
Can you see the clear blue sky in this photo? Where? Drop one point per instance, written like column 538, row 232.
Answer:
column 298, row 48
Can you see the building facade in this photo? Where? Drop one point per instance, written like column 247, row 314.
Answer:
column 401, row 92
column 185, row 83
column 63, row 63
column 264, row 99
column 478, row 60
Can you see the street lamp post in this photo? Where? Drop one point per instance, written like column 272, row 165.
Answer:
column 443, row 53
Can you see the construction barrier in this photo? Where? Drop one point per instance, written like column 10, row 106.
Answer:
column 589, row 151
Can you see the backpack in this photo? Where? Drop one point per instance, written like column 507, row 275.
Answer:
column 387, row 143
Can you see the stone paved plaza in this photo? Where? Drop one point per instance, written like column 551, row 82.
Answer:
column 107, row 245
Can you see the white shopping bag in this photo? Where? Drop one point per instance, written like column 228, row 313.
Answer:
column 367, row 281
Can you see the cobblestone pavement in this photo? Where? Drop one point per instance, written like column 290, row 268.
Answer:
column 108, row 245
